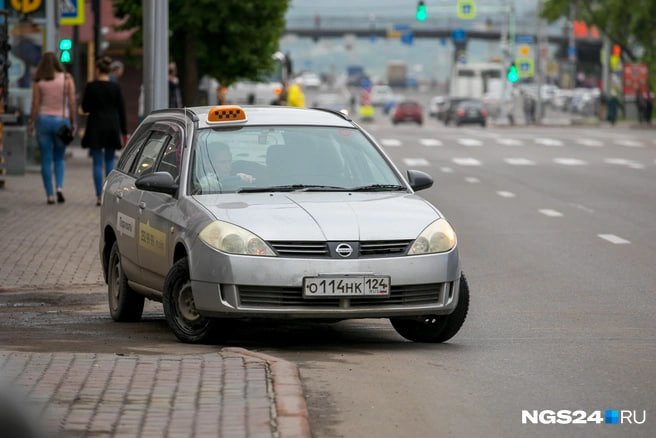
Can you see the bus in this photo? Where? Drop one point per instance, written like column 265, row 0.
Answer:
column 475, row 80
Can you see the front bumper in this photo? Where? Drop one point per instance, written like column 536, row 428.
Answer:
column 271, row 287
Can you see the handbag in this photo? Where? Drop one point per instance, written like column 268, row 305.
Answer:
column 65, row 132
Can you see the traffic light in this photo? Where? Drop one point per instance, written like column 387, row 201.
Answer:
column 512, row 75
column 422, row 13
column 65, row 49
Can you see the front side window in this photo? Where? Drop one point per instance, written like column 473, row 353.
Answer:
column 248, row 158
column 132, row 148
column 150, row 152
column 171, row 159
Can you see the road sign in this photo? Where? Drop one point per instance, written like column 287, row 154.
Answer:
column 466, row 9
column 458, row 35
column 525, row 39
column 524, row 50
column 635, row 78
column 525, row 67
column 407, row 37
column 71, row 13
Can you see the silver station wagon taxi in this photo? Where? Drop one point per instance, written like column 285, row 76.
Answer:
column 274, row 212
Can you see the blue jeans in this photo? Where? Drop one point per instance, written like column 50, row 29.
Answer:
column 97, row 155
column 52, row 150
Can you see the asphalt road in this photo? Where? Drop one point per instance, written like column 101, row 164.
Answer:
column 557, row 235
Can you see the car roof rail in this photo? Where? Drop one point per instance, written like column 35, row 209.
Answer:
column 338, row 113
column 183, row 111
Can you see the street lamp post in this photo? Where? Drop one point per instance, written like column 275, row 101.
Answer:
column 156, row 54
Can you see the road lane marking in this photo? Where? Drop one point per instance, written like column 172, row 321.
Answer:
column 548, row 142
column 613, row 239
column 430, row 142
column 510, row 142
column 589, row 142
column 446, row 169
column 582, row 207
column 467, row 161
column 570, row 162
column 505, row 194
column 519, row 161
column 472, row 180
column 550, row 213
column 390, row 142
column 629, row 143
column 416, row 162
column 470, row 142
column 624, row 162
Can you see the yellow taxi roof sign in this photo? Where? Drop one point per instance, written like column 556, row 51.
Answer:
column 226, row 114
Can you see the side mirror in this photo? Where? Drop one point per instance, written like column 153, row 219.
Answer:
column 160, row 182
column 419, row 180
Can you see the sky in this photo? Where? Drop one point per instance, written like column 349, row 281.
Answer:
column 426, row 58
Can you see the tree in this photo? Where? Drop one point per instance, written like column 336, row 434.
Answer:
column 228, row 40
column 631, row 25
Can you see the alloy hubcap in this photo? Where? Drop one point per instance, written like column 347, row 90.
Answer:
column 186, row 304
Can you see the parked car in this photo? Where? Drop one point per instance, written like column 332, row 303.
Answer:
column 470, row 111
column 274, row 212
column 449, row 113
column 408, row 111
column 437, row 106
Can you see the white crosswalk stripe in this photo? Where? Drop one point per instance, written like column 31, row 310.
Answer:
column 570, row 162
column 510, row 142
column 430, row 142
column 390, row 142
column 446, row 169
column 519, row 161
column 548, row 142
column 550, row 213
column 416, row 162
column 629, row 143
column 472, row 180
column 470, row 142
column 466, row 161
column 613, row 239
column 624, row 162
column 589, row 142
column 505, row 194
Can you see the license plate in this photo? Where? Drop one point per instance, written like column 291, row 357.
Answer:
column 351, row 286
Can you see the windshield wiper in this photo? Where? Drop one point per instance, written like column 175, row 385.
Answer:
column 378, row 188
column 293, row 188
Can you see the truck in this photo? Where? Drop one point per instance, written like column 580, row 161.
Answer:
column 268, row 90
column 397, row 72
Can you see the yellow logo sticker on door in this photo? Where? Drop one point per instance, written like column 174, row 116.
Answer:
column 152, row 239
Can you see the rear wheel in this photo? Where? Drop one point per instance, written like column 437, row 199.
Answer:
column 435, row 328
column 179, row 307
column 125, row 305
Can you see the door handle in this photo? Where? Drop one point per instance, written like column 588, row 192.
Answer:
column 142, row 205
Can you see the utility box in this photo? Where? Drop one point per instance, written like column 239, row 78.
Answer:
column 14, row 149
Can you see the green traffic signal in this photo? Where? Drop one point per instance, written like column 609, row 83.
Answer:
column 422, row 13
column 65, row 44
column 512, row 75
column 65, row 57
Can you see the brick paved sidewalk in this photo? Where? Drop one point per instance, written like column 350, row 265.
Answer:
column 228, row 394
column 50, row 246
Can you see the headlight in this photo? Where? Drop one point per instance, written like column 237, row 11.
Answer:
column 437, row 237
column 234, row 240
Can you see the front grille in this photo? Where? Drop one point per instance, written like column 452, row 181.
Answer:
column 383, row 247
column 301, row 249
column 265, row 296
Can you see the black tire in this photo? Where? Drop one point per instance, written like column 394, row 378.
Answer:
column 181, row 315
column 435, row 328
column 125, row 305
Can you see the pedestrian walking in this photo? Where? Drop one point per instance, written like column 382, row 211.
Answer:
column 175, row 98
column 116, row 71
column 106, row 129
column 648, row 99
column 612, row 107
column 53, row 108
column 640, row 104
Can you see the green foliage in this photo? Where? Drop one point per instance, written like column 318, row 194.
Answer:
column 228, row 39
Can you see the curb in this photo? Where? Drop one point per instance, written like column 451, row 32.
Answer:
column 291, row 409
column 50, row 287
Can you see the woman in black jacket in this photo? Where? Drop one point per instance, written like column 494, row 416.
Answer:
column 106, row 130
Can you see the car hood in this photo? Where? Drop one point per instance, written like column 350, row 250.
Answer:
column 313, row 216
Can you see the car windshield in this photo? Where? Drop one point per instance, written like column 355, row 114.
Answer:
column 288, row 158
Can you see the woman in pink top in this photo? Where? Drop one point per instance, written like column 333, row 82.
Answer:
column 53, row 105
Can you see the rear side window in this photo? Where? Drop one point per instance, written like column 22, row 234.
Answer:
column 150, row 152
column 132, row 149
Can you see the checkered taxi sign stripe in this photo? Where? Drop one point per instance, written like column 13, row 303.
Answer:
column 223, row 114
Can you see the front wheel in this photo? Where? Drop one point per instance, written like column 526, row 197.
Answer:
column 179, row 307
column 125, row 305
column 435, row 328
